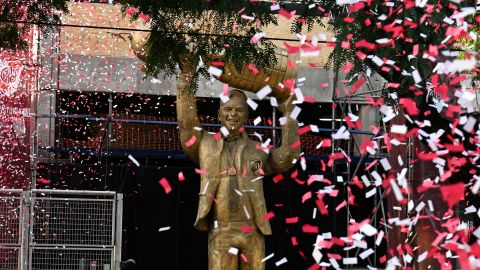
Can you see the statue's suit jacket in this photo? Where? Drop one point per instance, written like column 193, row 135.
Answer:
column 251, row 162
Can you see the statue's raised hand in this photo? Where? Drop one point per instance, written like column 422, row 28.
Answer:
column 287, row 106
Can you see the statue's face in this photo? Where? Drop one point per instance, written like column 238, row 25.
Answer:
column 233, row 114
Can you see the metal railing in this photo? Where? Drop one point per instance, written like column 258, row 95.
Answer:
column 11, row 228
column 60, row 230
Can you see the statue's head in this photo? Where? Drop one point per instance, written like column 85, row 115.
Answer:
column 234, row 112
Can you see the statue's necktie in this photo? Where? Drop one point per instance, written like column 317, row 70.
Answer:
column 233, row 197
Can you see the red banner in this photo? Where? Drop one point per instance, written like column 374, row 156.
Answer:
column 16, row 88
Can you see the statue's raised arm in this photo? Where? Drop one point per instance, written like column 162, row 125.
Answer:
column 281, row 158
column 187, row 117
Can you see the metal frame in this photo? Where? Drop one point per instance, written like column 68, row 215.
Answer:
column 57, row 198
column 64, row 228
column 342, row 103
column 12, row 200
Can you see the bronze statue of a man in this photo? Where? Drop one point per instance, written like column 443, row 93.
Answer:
column 231, row 204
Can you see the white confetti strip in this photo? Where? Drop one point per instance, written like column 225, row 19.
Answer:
column 134, row 160
column 246, row 212
column 268, row 257
column 399, row 129
column 224, row 131
column 342, row 133
column 224, row 98
column 164, row 229
column 365, row 180
column 385, row 164
column 233, row 251
column 396, row 190
column 274, row 7
column 215, row 71
column 366, row 253
column 264, row 92
column 370, row 193
column 317, row 255
column 422, row 256
column 348, row 261
column 257, row 120
column 273, row 102
column 282, row 261
column 368, row 230
column 295, row 112
column 252, row 104
column 379, row 239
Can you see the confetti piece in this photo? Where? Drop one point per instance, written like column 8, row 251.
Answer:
column 365, row 180
column 280, row 262
column 340, row 206
column 291, row 220
column 257, row 37
column 306, row 228
column 348, row 261
column 379, row 239
column 277, row 178
column 246, row 229
column 181, row 177
column 273, row 102
column 233, row 251
column 224, row 131
column 253, row 69
column 268, row 216
column 317, row 255
column 134, row 160
column 398, row 129
column 264, row 92
column 268, row 257
column 422, row 256
column 385, row 164
column 252, row 104
column 368, row 230
column 247, row 215
column 191, row 141
column 43, row 180
column 396, row 191
column 215, row 71
column 295, row 112
column 166, row 185
column 224, row 98
column 341, row 134
column 200, row 171
column 257, row 121
column 275, row 7
column 452, row 194
column 286, row 14
column 306, row 196
column 164, row 229
column 366, row 253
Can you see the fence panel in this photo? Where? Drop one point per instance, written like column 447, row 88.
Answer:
column 72, row 230
column 11, row 216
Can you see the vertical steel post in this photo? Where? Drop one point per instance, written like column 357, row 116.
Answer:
column 118, row 232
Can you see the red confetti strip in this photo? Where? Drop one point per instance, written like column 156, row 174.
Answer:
column 291, row 220
column 181, row 177
column 191, row 141
column 166, row 185
column 268, row 216
column 309, row 228
column 277, row 178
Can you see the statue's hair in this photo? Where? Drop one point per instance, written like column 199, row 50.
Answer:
column 236, row 93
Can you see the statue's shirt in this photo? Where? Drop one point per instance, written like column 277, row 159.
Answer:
column 232, row 203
